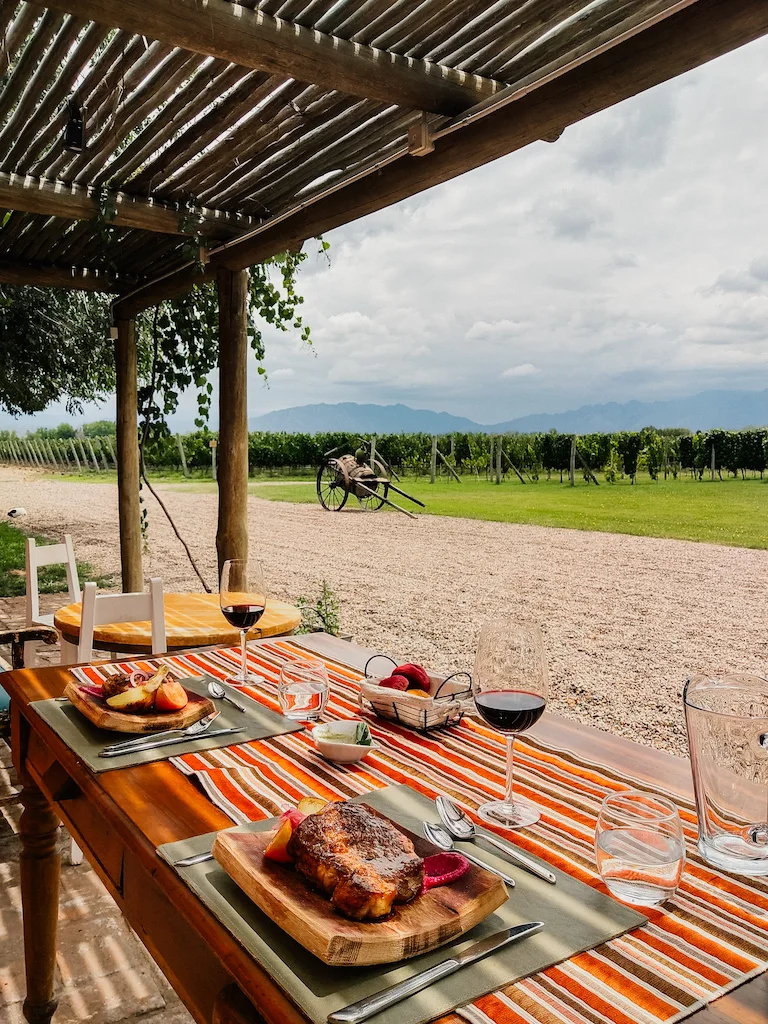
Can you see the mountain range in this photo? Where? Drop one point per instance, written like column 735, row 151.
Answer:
column 730, row 410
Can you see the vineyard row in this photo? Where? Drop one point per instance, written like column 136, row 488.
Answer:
column 667, row 452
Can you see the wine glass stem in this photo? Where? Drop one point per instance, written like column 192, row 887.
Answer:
column 243, row 653
column 509, row 798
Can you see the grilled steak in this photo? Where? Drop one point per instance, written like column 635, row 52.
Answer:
column 358, row 859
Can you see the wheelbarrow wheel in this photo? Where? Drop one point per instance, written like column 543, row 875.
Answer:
column 332, row 485
column 373, row 502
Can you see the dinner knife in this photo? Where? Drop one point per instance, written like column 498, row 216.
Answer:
column 365, row 1008
column 167, row 743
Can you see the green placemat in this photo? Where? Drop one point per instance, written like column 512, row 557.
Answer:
column 576, row 918
column 86, row 740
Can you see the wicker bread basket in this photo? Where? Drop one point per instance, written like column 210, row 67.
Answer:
column 448, row 701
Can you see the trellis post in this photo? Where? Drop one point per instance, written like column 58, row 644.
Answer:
column 433, row 461
column 232, row 531
column 128, row 456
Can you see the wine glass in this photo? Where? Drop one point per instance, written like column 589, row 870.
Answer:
column 510, row 686
column 243, row 598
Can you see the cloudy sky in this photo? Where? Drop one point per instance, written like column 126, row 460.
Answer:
column 627, row 260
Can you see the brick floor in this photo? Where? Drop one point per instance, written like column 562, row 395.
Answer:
column 104, row 974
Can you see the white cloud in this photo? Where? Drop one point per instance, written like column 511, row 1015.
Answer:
column 282, row 372
column 521, row 370
column 497, row 329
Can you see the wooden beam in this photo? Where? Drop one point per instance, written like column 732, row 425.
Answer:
column 232, row 532
column 127, row 432
column 73, row 202
column 256, row 40
column 684, row 41
column 57, row 277
column 688, row 39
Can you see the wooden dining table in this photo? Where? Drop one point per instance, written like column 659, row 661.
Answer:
column 191, row 620
column 119, row 818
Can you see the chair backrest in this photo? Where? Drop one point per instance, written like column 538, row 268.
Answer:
column 99, row 609
column 49, row 554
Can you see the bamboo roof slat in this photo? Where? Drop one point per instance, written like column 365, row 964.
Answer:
column 244, row 133
column 28, row 62
column 173, row 72
column 29, row 128
column 195, row 138
column 19, row 114
column 18, row 32
column 255, row 183
column 99, row 92
column 200, row 92
column 591, row 30
column 273, row 144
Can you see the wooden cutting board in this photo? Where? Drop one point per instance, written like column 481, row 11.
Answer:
column 97, row 710
column 307, row 916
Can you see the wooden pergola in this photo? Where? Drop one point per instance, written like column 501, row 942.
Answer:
column 252, row 127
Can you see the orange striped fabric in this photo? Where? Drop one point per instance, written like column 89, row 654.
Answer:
column 711, row 937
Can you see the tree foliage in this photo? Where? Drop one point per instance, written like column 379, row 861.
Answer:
column 54, row 344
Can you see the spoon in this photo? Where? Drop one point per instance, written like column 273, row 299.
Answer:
column 460, row 826
column 217, row 690
column 436, row 834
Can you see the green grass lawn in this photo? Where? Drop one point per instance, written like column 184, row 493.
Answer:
column 730, row 511
column 52, row 579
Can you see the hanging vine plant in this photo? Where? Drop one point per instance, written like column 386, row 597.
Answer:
column 182, row 336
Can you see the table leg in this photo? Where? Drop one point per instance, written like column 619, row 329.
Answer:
column 40, row 866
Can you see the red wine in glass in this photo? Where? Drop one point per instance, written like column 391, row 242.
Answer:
column 510, row 711
column 242, row 616
column 510, row 686
column 242, row 599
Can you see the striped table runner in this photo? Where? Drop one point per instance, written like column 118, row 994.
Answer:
column 711, row 937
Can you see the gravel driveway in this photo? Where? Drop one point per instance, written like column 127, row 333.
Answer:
column 625, row 618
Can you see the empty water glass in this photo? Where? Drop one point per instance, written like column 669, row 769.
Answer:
column 303, row 690
column 640, row 847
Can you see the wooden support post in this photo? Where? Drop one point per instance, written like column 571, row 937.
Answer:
column 53, row 458
column 232, row 532
column 128, row 457
column 498, row 460
column 433, row 461
column 62, row 447
column 373, row 450
column 74, row 452
column 213, row 444
column 101, row 452
column 182, row 455
column 572, row 466
column 712, row 462
column 82, row 452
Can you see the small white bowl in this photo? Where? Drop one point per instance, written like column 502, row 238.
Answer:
column 335, row 750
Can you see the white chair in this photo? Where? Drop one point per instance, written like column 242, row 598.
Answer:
column 99, row 609
column 38, row 556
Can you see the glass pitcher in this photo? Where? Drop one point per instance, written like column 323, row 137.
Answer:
column 727, row 720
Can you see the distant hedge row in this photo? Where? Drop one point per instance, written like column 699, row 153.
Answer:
column 656, row 451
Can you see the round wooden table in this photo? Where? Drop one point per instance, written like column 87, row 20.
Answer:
column 191, row 620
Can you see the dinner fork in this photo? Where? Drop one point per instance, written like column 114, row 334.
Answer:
column 196, row 729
